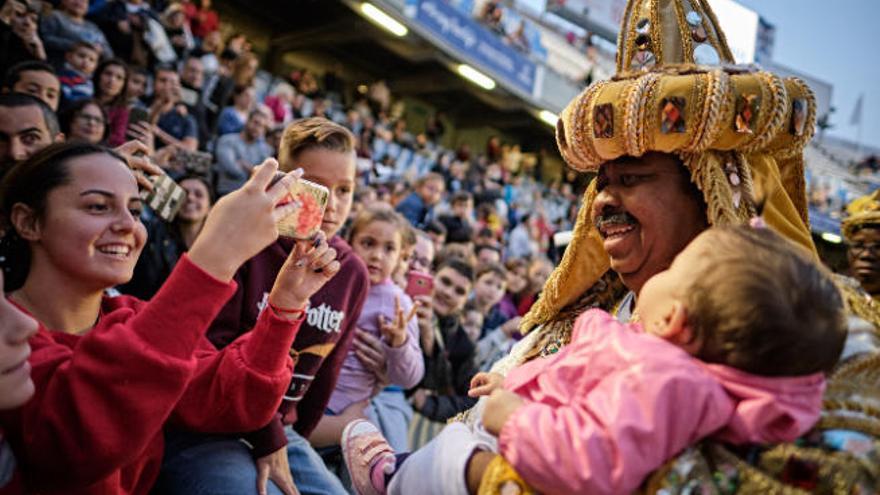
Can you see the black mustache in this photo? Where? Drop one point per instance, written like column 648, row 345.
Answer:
column 621, row 217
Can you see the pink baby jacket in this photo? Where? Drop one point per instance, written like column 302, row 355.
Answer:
column 617, row 403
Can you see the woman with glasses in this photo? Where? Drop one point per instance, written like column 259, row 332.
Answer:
column 85, row 120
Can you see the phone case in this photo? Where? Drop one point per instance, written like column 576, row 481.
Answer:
column 166, row 198
column 419, row 284
column 192, row 162
column 305, row 222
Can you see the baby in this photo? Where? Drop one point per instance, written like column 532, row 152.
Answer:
column 733, row 344
column 80, row 62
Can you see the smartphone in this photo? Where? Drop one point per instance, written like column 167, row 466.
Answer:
column 419, row 283
column 137, row 115
column 305, row 222
column 166, row 198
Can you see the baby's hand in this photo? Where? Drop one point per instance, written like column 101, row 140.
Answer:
column 500, row 405
column 484, row 384
column 395, row 331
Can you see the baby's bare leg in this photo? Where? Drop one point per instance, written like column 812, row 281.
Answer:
column 476, row 467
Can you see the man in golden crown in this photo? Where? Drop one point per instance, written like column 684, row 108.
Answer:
column 681, row 139
column 861, row 229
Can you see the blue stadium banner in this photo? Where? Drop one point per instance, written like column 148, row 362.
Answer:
column 474, row 42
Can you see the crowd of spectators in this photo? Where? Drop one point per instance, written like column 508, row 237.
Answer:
column 158, row 82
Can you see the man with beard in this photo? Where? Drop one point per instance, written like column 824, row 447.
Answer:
column 681, row 139
column 27, row 125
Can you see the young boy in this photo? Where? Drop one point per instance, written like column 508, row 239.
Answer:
column 449, row 352
column 489, row 289
column 734, row 342
column 34, row 78
column 325, row 152
column 472, row 321
column 80, row 62
column 459, row 220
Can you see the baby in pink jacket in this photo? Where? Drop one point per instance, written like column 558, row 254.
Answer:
column 733, row 344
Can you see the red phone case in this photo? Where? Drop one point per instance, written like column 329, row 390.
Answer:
column 305, row 222
column 419, row 284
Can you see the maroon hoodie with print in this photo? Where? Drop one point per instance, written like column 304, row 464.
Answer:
column 322, row 342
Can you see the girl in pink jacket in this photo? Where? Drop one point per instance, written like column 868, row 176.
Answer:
column 733, row 344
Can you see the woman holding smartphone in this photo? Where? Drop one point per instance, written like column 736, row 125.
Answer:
column 111, row 373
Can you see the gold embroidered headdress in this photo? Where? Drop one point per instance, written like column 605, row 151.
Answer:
column 739, row 130
column 862, row 211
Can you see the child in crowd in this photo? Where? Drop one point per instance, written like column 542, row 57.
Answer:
column 376, row 238
column 517, row 283
column 325, row 152
column 112, row 374
column 437, row 232
column 487, row 254
column 407, row 247
column 449, row 352
column 537, row 274
column 734, row 342
column 489, row 288
column 16, row 386
column 459, row 220
column 80, row 63
column 472, row 321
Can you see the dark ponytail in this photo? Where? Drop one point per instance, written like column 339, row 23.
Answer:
column 29, row 183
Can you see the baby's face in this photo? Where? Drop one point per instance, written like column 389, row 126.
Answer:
column 665, row 289
column 83, row 60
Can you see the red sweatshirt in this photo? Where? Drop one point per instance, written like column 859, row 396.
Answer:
column 321, row 343
column 103, row 398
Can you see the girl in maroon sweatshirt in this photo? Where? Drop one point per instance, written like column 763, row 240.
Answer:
column 111, row 373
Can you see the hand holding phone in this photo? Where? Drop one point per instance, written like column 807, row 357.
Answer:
column 166, row 197
column 242, row 223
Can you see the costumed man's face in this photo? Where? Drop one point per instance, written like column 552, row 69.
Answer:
column 646, row 211
column 864, row 258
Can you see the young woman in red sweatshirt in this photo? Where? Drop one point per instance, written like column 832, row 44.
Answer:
column 16, row 386
column 112, row 372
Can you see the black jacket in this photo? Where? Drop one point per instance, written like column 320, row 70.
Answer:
column 161, row 252
column 448, row 372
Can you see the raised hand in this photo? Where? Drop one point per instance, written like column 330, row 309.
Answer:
column 136, row 155
column 425, row 316
column 243, row 223
column 394, row 331
column 310, row 265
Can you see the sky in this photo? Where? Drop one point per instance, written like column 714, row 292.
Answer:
column 832, row 41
